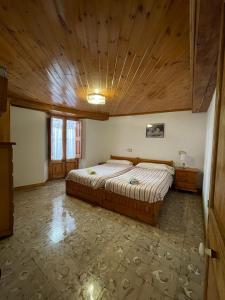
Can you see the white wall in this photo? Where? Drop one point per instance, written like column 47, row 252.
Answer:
column 94, row 147
column 183, row 131
column 29, row 131
column 208, row 156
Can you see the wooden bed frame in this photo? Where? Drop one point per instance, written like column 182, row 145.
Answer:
column 155, row 161
column 136, row 209
column 139, row 210
column 88, row 194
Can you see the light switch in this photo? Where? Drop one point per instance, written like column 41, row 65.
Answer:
column 129, row 149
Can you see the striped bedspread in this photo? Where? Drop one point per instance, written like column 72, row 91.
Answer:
column 153, row 184
column 103, row 172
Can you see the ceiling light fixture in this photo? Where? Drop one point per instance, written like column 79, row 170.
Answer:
column 96, row 98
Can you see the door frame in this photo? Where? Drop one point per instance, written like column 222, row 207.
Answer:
column 219, row 86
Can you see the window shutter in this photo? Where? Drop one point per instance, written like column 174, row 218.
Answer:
column 78, row 139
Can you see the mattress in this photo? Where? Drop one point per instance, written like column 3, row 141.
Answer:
column 152, row 187
column 103, row 172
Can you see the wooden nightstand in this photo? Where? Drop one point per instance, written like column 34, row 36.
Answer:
column 187, row 179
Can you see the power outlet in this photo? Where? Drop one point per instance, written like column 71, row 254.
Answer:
column 129, row 150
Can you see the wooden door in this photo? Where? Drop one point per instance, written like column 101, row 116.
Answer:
column 59, row 163
column 56, row 165
column 71, row 159
column 215, row 277
column 6, row 189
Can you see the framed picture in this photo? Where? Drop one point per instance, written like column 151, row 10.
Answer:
column 155, row 130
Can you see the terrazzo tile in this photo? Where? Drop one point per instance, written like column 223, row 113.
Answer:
column 64, row 248
column 26, row 281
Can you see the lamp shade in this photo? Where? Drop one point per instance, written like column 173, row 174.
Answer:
column 95, row 99
column 183, row 156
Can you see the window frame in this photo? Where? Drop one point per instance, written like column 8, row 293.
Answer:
column 64, row 118
column 65, row 123
column 50, row 141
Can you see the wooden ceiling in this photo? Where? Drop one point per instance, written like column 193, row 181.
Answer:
column 137, row 53
column 206, row 23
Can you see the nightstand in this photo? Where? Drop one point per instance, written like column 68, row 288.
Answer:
column 187, row 179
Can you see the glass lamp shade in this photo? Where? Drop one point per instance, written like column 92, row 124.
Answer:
column 96, row 99
column 183, row 156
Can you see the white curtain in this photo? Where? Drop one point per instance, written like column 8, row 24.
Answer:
column 70, row 139
column 56, row 139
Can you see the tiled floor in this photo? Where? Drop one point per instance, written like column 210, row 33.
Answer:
column 63, row 248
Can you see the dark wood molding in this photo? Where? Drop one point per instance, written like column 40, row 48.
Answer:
column 19, row 102
column 3, row 94
column 7, row 143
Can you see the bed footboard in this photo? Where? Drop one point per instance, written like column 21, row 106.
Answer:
column 86, row 193
column 136, row 209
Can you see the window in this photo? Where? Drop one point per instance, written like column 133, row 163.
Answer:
column 64, row 146
column 65, row 139
column 56, row 139
column 70, row 139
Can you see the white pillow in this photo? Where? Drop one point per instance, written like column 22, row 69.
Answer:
column 118, row 161
column 156, row 166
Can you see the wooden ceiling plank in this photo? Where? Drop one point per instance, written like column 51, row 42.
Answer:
column 204, row 39
column 160, row 40
column 139, row 56
column 58, row 51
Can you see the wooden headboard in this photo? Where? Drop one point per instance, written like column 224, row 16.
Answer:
column 155, row 161
column 137, row 160
column 134, row 160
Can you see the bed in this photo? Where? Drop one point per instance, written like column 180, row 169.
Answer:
column 140, row 201
column 86, row 185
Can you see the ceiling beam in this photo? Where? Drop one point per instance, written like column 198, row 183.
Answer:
column 3, row 90
column 57, row 109
column 151, row 112
column 205, row 20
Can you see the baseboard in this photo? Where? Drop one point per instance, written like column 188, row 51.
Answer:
column 30, row 186
column 6, row 233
